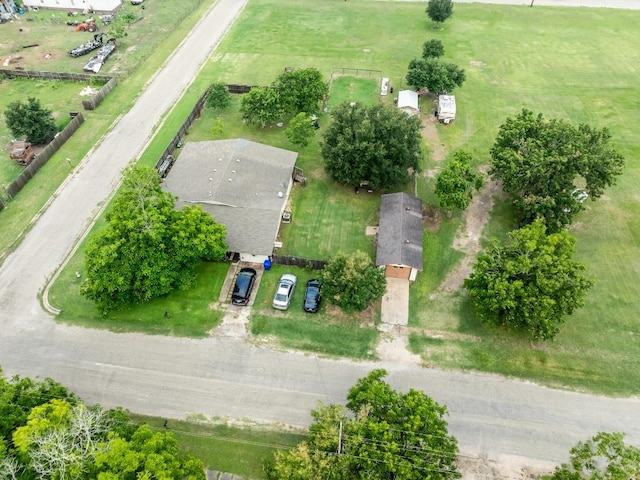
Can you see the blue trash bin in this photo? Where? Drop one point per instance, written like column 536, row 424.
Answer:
column 267, row 264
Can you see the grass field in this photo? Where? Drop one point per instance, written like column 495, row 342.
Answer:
column 515, row 57
column 61, row 97
column 328, row 332
column 224, row 448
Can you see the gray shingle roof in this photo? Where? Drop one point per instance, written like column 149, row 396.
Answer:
column 237, row 182
column 400, row 231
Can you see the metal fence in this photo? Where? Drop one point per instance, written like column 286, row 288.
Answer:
column 44, row 156
column 298, row 262
column 357, row 72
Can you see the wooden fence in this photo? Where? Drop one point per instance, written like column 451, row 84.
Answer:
column 44, row 156
column 298, row 262
column 93, row 102
column 73, row 77
column 166, row 160
column 90, row 104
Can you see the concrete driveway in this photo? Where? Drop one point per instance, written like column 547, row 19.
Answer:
column 395, row 302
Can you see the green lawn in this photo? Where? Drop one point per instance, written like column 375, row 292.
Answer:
column 190, row 311
column 142, row 43
column 240, row 451
column 328, row 332
column 514, row 57
column 353, row 89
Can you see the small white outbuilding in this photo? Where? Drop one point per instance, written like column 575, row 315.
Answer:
column 96, row 5
column 408, row 102
column 446, row 112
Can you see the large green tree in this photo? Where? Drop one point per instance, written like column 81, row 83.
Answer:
column 218, row 96
column 148, row 247
column 434, row 75
column 18, row 395
column 530, row 283
column 457, row 181
column 352, row 281
column 30, row 120
column 301, row 90
column 381, row 435
column 432, row 49
column 543, row 162
column 300, row 130
column 146, row 455
column 262, row 106
column 439, row 10
column 603, row 457
column 379, row 144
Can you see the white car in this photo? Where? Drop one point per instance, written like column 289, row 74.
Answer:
column 284, row 292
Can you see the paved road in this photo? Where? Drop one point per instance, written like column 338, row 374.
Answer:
column 225, row 377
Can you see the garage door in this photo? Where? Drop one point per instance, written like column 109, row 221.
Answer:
column 397, row 272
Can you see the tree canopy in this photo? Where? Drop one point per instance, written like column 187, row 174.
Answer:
column 148, row 247
column 30, row 120
column 48, row 433
column 219, row 96
column 352, row 281
column 432, row 49
column 300, row 130
column 381, row 434
column 301, row 90
column 434, row 75
column 379, row 144
column 603, row 457
column 530, row 283
column 543, row 163
column 439, row 10
column 457, row 181
column 262, row 106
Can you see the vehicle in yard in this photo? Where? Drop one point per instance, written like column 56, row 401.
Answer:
column 312, row 296
column 284, row 292
column 243, row 286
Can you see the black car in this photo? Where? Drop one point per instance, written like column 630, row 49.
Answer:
column 243, row 286
column 312, row 296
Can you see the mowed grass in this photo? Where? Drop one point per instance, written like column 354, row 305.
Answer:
column 328, row 332
column 353, row 89
column 189, row 313
column 62, row 97
column 224, row 448
column 515, row 57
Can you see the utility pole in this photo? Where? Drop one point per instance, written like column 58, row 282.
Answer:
column 340, row 431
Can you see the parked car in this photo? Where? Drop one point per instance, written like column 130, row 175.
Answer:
column 312, row 296
column 284, row 292
column 243, row 286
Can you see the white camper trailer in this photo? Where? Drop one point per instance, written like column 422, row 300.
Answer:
column 446, row 112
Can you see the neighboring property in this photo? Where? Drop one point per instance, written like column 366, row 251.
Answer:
column 446, row 112
column 241, row 184
column 7, row 8
column 96, row 5
column 408, row 102
column 400, row 236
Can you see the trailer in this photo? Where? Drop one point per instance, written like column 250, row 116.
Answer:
column 95, row 64
column 89, row 46
column 446, row 112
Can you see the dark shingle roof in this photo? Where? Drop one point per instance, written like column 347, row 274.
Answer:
column 400, row 231
column 238, row 182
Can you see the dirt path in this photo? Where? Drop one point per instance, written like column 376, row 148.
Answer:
column 468, row 237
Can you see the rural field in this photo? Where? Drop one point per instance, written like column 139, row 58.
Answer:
column 538, row 58
column 515, row 57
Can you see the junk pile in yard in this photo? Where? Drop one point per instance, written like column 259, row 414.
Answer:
column 21, row 152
